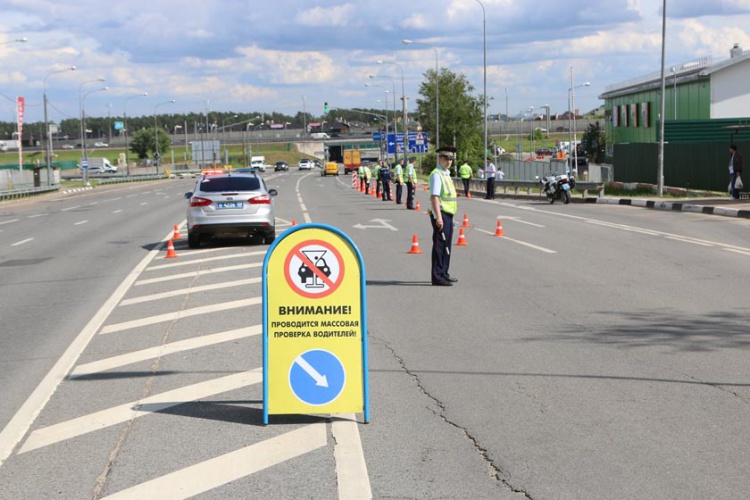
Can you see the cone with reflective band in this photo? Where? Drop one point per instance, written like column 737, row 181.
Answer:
column 499, row 231
column 461, row 239
column 170, row 251
column 417, row 207
column 466, row 221
column 176, row 235
column 415, row 245
column 372, row 190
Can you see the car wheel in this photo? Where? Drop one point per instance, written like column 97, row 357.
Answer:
column 194, row 240
column 269, row 238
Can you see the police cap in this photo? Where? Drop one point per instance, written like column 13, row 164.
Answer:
column 447, row 152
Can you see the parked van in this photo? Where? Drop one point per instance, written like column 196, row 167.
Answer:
column 320, row 135
column 258, row 163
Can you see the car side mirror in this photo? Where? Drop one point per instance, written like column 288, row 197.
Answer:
column 188, row 195
column 273, row 192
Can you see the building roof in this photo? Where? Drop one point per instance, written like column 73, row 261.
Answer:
column 698, row 69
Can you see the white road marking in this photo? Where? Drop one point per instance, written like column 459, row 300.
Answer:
column 185, row 291
column 743, row 252
column 210, row 259
column 521, row 221
column 8, row 221
column 22, row 242
column 37, row 215
column 144, row 203
column 201, row 272
column 163, row 350
column 70, row 208
column 535, row 247
column 117, row 211
column 351, row 468
column 687, row 240
column 186, row 313
column 81, row 222
column 14, row 431
column 122, row 413
column 205, row 476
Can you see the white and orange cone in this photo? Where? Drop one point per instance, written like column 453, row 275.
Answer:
column 461, row 239
column 415, row 245
column 499, row 231
column 171, row 254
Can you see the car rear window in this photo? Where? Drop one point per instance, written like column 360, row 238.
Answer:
column 221, row 184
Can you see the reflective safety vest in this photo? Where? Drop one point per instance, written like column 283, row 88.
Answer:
column 448, row 203
column 368, row 174
column 361, row 172
column 376, row 171
column 398, row 173
column 411, row 174
column 465, row 171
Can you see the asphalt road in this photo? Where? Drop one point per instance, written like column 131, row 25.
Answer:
column 594, row 351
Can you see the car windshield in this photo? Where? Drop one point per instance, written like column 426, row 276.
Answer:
column 220, row 184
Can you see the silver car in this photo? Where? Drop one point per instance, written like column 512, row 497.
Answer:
column 230, row 205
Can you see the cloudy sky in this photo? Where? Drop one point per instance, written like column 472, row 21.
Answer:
column 281, row 55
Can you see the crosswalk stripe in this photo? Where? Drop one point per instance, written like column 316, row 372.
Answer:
column 201, row 272
column 201, row 261
column 185, row 291
column 163, row 350
column 185, row 313
column 351, row 469
column 122, row 413
column 205, row 476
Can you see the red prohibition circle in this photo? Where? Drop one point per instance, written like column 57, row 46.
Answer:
column 296, row 252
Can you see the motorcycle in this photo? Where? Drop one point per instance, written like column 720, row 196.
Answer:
column 557, row 187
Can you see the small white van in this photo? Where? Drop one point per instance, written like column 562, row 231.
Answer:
column 258, row 162
column 320, row 135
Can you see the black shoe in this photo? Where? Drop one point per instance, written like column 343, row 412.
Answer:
column 442, row 283
column 452, row 279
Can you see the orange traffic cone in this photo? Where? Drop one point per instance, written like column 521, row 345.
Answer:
column 468, row 195
column 461, row 239
column 294, row 222
column 170, row 251
column 417, row 207
column 372, row 190
column 466, row 221
column 499, row 231
column 176, row 235
column 415, row 245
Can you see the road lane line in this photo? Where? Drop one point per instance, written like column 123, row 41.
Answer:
column 185, row 291
column 122, row 413
column 17, row 243
column 186, row 313
column 687, row 240
column 37, row 215
column 216, row 472
column 535, row 247
column 743, row 252
column 70, row 208
column 14, row 431
column 351, row 468
column 163, row 350
column 81, row 222
column 197, row 273
column 209, row 259
column 117, row 211
column 8, row 221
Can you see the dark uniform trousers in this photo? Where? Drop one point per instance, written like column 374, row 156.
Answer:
column 399, row 192
column 410, row 188
column 466, row 186
column 386, row 190
column 490, row 188
column 441, row 247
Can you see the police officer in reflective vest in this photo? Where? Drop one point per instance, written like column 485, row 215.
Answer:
column 361, row 175
column 398, row 178
column 376, row 174
column 411, row 183
column 385, row 179
column 443, row 207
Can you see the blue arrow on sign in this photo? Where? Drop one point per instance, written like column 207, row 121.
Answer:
column 317, row 377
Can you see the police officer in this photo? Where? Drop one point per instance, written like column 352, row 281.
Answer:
column 368, row 176
column 398, row 178
column 443, row 207
column 489, row 173
column 466, row 173
column 385, row 179
column 411, row 183
column 376, row 175
column 361, row 175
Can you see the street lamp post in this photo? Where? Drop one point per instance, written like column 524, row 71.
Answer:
column 156, row 136
column 48, row 149
column 83, row 124
column 127, row 130
column 80, row 105
column 573, row 130
column 484, row 37
column 403, row 98
column 437, row 88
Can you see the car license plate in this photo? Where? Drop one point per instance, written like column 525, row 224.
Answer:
column 230, row 204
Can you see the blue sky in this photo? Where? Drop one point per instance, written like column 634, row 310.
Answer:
column 255, row 55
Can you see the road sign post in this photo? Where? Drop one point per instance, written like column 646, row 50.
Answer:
column 314, row 324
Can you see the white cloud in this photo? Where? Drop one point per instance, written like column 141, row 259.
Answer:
column 338, row 16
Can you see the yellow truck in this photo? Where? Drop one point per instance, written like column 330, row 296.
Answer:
column 352, row 160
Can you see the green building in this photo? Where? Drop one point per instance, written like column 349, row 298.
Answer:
column 706, row 105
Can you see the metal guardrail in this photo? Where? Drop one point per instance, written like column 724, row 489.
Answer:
column 502, row 187
column 23, row 193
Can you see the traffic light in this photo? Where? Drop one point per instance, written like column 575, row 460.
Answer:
column 325, row 107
